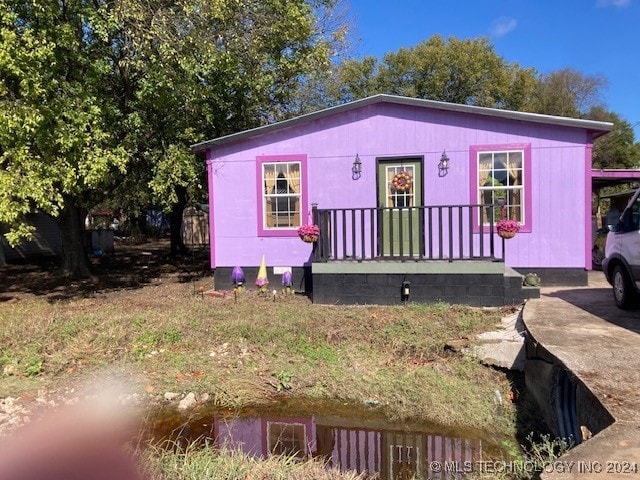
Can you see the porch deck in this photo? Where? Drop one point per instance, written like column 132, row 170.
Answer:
column 371, row 256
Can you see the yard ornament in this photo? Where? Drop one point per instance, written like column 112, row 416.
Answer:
column 238, row 278
column 262, row 280
column 287, row 282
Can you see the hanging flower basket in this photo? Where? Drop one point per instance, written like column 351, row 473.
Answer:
column 402, row 181
column 506, row 235
column 507, row 228
column 309, row 233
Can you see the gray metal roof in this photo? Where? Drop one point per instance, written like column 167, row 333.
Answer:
column 599, row 128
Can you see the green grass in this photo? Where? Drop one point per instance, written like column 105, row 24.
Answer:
column 205, row 464
column 160, row 463
column 249, row 351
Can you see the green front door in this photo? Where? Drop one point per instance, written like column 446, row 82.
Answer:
column 400, row 189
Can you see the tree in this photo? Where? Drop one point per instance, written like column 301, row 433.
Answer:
column 569, row 93
column 98, row 96
column 458, row 71
column 191, row 70
column 470, row 72
column 57, row 152
column 353, row 80
column 616, row 149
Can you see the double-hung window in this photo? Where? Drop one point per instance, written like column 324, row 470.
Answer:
column 281, row 190
column 289, row 439
column 500, row 182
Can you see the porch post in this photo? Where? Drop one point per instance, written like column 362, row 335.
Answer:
column 316, row 251
column 492, row 247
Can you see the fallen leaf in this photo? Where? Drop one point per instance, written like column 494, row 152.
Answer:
column 149, row 388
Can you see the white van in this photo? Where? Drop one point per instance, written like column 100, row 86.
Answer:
column 621, row 264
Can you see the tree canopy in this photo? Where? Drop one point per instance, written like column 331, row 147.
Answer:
column 187, row 71
column 569, row 93
column 100, row 96
column 452, row 70
column 57, row 146
column 471, row 72
column 616, row 149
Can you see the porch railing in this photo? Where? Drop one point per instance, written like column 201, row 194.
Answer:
column 442, row 232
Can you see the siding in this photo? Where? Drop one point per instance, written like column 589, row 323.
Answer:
column 557, row 237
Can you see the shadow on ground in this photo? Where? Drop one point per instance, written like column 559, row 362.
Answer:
column 599, row 301
column 129, row 267
column 530, row 424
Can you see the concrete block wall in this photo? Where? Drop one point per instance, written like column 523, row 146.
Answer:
column 301, row 278
column 490, row 288
column 380, row 283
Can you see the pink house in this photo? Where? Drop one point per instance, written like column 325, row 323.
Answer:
column 389, row 454
column 407, row 193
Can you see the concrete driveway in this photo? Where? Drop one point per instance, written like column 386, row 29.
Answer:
column 599, row 344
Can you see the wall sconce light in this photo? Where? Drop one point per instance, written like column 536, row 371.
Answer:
column 356, row 170
column 406, row 291
column 443, row 166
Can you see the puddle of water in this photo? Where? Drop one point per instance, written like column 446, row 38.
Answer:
column 349, row 437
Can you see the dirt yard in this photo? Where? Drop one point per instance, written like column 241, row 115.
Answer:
column 132, row 266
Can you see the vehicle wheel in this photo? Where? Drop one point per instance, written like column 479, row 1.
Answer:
column 623, row 291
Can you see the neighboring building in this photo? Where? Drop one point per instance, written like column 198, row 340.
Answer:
column 45, row 242
column 195, row 228
column 405, row 189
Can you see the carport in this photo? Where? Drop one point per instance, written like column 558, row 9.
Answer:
column 601, row 179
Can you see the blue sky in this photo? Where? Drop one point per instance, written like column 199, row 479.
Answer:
column 591, row 36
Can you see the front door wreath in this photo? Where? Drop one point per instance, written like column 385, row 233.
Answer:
column 402, row 181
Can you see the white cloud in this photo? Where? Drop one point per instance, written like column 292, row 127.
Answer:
column 613, row 3
column 503, row 25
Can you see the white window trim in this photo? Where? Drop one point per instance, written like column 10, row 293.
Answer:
column 522, row 188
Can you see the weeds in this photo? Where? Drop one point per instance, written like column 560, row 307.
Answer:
column 284, row 380
column 232, row 349
column 32, row 365
column 318, row 352
column 530, row 459
column 209, row 464
column 544, row 449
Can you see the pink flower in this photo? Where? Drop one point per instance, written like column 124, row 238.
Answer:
column 309, row 233
column 508, row 226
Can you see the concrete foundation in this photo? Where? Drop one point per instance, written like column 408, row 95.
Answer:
column 463, row 282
